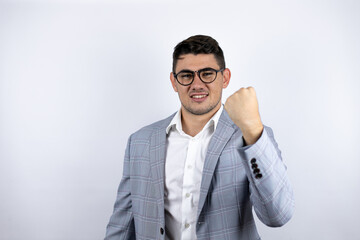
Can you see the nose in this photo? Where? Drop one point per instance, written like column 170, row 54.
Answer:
column 197, row 83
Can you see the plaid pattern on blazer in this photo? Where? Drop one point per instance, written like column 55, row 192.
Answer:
column 229, row 188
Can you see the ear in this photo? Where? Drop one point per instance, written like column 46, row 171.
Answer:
column 226, row 77
column 173, row 82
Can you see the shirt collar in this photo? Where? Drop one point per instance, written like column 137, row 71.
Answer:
column 176, row 121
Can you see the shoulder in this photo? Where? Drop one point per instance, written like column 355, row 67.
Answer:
column 146, row 132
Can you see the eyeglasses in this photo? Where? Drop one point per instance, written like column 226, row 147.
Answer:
column 206, row 75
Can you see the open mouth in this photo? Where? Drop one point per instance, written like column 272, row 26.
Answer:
column 199, row 96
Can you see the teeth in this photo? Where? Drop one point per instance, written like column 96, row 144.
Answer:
column 198, row 96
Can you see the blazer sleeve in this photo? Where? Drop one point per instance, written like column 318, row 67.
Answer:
column 121, row 224
column 270, row 190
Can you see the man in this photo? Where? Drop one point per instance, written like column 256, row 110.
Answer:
column 198, row 173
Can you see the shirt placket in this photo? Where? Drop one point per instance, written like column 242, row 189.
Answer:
column 188, row 207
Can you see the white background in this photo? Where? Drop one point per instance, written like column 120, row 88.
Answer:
column 77, row 78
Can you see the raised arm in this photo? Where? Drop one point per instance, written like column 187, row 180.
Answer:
column 271, row 192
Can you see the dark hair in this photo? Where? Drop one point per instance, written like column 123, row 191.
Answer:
column 196, row 45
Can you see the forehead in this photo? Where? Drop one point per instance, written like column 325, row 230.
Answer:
column 196, row 62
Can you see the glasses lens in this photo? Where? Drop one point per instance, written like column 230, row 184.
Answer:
column 185, row 77
column 208, row 75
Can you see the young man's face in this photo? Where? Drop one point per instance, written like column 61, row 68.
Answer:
column 200, row 98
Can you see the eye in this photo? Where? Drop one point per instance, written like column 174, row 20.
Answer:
column 185, row 76
column 208, row 74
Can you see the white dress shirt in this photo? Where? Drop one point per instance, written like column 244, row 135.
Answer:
column 185, row 156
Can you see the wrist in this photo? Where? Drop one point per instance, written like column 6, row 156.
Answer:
column 251, row 135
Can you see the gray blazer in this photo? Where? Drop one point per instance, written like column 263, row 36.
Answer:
column 235, row 178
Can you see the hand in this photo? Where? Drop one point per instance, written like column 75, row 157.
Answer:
column 243, row 110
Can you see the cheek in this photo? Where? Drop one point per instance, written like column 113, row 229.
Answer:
column 182, row 93
column 217, row 89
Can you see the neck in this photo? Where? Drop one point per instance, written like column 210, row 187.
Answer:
column 192, row 124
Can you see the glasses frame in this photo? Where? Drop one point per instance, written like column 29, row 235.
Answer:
column 198, row 73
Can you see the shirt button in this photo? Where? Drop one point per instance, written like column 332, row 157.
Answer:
column 187, row 225
column 189, row 167
column 187, row 195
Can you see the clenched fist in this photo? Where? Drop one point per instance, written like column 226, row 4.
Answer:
column 243, row 110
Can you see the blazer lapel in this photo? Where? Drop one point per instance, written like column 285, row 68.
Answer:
column 157, row 162
column 222, row 135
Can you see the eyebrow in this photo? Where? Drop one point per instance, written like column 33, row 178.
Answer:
column 188, row 70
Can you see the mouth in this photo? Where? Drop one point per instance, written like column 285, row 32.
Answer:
column 199, row 97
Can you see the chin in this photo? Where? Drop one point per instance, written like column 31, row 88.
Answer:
column 199, row 111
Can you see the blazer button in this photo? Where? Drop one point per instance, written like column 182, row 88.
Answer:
column 254, row 165
column 161, row 231
column 253, row 160
column 258, row 176
column 256, row 170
